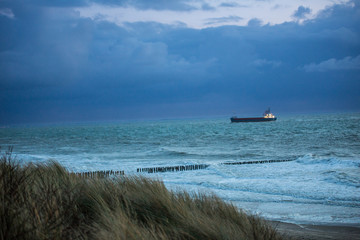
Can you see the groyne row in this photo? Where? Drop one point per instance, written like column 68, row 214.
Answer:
column 256, row 162
column 100, row 174
column 173, row 168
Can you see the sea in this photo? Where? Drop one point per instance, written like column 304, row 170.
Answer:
column 317, row 183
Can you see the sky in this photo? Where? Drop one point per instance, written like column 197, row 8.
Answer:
column 95, row 60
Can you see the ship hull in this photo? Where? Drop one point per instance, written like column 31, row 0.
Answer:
column 255, row 119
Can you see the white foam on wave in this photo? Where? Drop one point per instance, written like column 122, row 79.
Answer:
column 312, row 159
column 305, row 190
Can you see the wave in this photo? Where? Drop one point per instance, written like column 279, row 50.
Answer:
column 207, row 153
column 333, row 170
column 311, row 159
column 349, row 178
column 176, row 152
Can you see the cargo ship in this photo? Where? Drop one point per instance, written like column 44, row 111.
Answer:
column 267, row 116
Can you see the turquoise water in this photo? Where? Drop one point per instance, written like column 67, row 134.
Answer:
column 321, row 184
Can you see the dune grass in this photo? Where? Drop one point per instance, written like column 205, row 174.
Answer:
column 45, row 201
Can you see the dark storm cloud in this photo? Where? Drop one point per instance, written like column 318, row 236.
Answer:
column 47, row 3
column 57, row 66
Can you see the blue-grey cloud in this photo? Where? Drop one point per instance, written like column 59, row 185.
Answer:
column 265, row 62
column 58, row 66
column 254, row 22
column 277, row 6
column 52, row 3
column 207, row 7
column 229, row 19
column 176, row 5
column 7, row 12
column 301, row 12
column 231, row 4
column 332, row 64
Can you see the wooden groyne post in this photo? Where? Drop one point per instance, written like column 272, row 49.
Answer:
column 256, row 162
column 173, row 168
column 100, row 174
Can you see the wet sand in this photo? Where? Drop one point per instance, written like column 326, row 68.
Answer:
column 317, row 232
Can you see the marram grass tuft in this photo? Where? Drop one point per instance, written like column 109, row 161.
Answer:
column 45, row 201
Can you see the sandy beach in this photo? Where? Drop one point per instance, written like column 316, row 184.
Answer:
column 317, row 232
